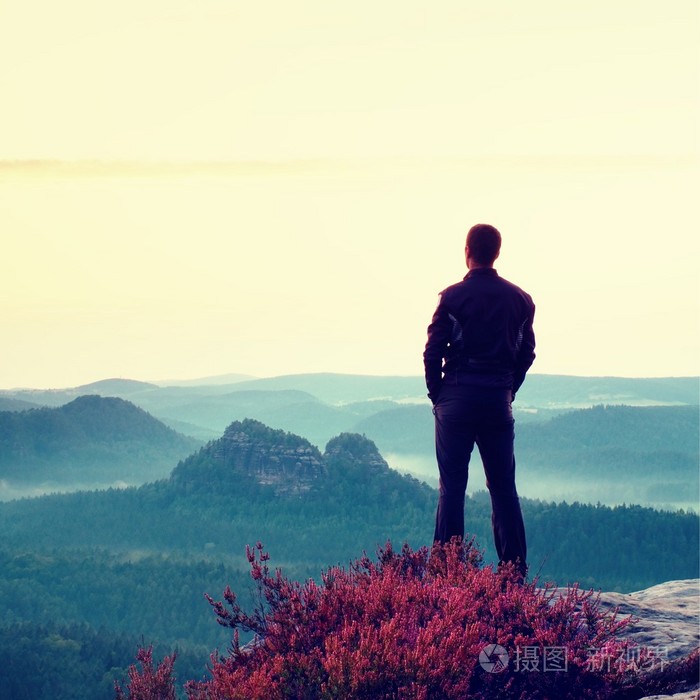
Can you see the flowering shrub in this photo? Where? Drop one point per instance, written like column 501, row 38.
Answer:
column 149, row 684
column 414, row 625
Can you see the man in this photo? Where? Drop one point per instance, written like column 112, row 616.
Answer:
column 479, row 348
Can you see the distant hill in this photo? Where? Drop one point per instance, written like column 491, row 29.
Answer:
column 640, row 455
column 106, row 387
column 8, row 404
column 288, row 409
column 90, row 440
column 562, row 391
column 121, row 388
column 649, row 429
column 642, row 429
column 215, row 380
column 342, row 388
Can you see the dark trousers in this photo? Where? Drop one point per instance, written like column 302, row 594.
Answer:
column 464, row 416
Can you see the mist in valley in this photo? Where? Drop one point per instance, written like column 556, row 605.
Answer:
column 650, row 492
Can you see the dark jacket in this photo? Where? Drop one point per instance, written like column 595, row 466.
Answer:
column 482, row 329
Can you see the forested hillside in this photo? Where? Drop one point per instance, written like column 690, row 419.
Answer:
column 408, row 429
column 316, row 508
column 612, row 454
column 55, row 661
column 89, row 440
column 649, row 429
column 10, row 404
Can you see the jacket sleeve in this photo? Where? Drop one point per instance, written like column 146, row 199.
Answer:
column 439, row 332
column 526, row 351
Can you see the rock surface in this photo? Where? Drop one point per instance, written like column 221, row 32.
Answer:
column 289, row 468
column 668, row 621
column 669, row 615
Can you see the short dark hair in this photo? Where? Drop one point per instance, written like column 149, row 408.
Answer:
column 484, row 242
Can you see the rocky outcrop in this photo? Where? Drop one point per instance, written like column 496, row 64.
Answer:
column 355, row 450
column 667, row 622
column 289, row 465
column 668, row 616
column 251, row 452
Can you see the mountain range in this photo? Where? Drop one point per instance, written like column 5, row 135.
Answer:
column 570, row 445
column 540, row 391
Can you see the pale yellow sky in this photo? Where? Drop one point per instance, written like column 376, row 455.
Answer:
column 286, row 187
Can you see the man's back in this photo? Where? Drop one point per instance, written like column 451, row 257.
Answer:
column 482, row 328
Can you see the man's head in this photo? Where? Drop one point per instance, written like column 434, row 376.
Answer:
column 483, row 245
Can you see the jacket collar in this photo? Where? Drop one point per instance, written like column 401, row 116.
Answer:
column 489, row 271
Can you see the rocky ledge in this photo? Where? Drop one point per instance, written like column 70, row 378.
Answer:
column 668, row 622
column 289, row 468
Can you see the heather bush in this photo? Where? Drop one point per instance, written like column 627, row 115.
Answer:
column 149, row 683
column 416, row 625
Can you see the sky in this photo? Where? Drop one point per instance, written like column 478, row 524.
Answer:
column 198, row 188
